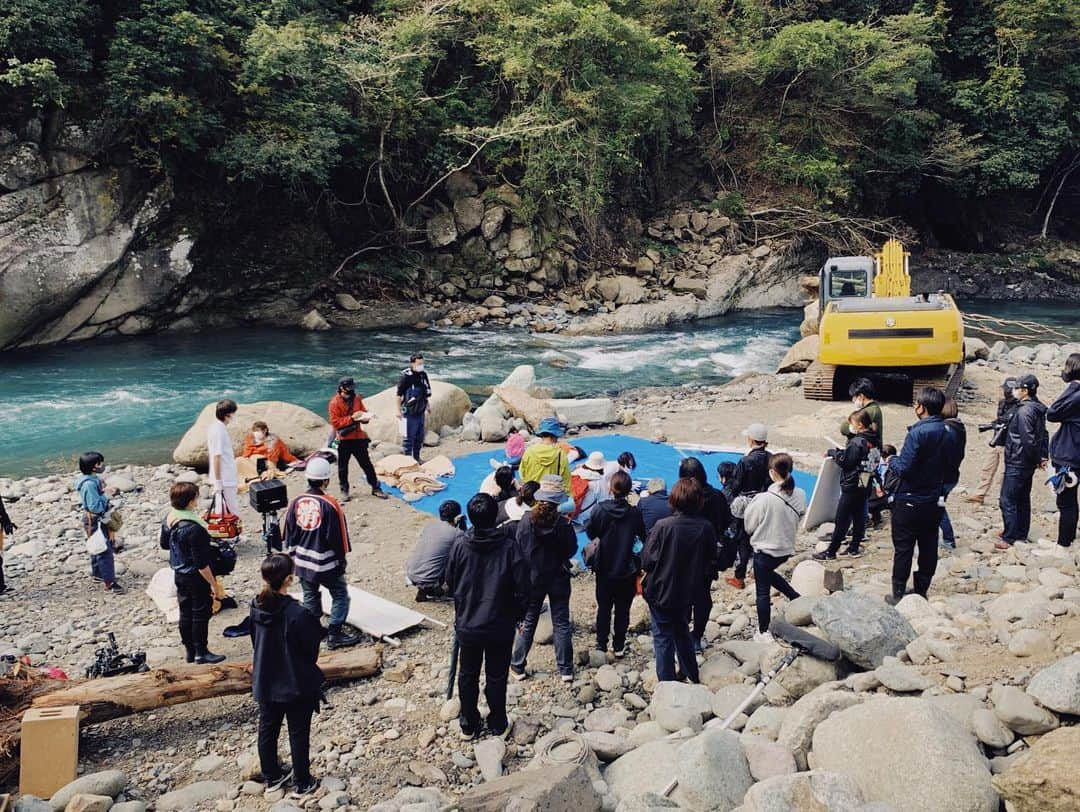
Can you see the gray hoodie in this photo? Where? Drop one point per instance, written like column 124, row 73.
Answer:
column 772, row 520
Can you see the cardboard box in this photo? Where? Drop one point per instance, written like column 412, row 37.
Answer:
column 49, row 750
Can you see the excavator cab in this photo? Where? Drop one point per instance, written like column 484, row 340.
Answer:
column 845, row 278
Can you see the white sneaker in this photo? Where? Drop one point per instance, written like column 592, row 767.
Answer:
column 567, row 678
column 764, row 637
column 620, row 653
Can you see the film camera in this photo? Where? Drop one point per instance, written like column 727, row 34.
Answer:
column 1000, row 430
column 109, row 662
column 267, row 497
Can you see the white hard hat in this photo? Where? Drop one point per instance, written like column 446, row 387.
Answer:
column 318, row 469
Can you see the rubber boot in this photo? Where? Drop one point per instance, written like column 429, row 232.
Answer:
column 203, row 656
column 339, row 638
column 189, row 652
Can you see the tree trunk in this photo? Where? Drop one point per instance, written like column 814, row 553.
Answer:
column 110, row 698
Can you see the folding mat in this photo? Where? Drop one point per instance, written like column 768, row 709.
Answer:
column 653, row 460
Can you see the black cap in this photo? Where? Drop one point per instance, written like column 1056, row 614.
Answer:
column 1028, row 382
column 346, row 383
column 1010, row 384
column 415, row 356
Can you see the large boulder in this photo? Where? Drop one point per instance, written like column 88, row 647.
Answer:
column 1057, row 687
column 1045, row 778
column 865, row 628
column 548, row 788
column 449, row 404
column 798, row 679
column 1019, row 712
column 975, row 349
column 801, row 720
column 711, row 771
column 697, row 698
column 801, row 354
column 107, row 782
column 908, row 753
column 302, row 430
column 585, row 411
column 520, row 403
column 817, row 790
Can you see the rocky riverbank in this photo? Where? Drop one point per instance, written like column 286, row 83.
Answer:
column 952, row 703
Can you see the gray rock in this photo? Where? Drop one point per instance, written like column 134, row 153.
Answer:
column 906, row 752
column 32, row 803
column 960, row 707
column 1019, row 711
column 1057, row 686
column 799, row 611
column 766, row 758
column 801, row 720
column 799, row 679
column 607, row 678
column 817, row 790
column 674, row 718
column 711, row 770
column 547, row 788
column 129, row 806
column 191, row 796
column 716, row 671
column 107, row 782
column 901, row 678
column 676, row 694
column 608, row 746
column 647, row 732
column 89, row 803
column 605, row 720
column 489, row 755
column 729, row 697
column 865, row 628
column 1031, row 643
column 990, row 730
column 649, row 802
column 766, row 721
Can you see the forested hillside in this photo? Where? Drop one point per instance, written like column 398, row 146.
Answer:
column 960, row 116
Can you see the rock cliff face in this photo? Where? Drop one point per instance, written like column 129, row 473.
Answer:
column 69, row 230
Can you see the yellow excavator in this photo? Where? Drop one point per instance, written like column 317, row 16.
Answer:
column 872, row 326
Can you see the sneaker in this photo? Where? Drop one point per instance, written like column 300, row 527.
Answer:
column 825, row 555
column 738, row 583
column 304, row 788
column 280, row 781
column 764, row 637
column 339, row 638
column 98, row 578
column 207, row 657
column 1002, row 545
column 620, row 653
column 379, row 493
column 567, row 678
column 114, row 588
column 345, row 496
column 851, row 553
column 421, row 597
column 468, row 731
column 498, row 731
column 518, row 674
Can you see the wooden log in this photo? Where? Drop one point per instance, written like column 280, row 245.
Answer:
column 112, row 697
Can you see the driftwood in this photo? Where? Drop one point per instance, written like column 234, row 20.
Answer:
column 103, row 699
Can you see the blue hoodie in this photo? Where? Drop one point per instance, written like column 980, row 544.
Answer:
column 1065, row 445
column 92, row 494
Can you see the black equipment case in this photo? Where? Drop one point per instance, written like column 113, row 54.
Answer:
column 268, row 495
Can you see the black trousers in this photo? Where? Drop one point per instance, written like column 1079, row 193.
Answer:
column 701, row 608
column 271, row 715
column 613, row 594
column 355, row 448
column 850, row 512
column 746, row 552
column 914, row 525
column 1015, row 501
column 196, row 605
column 1067, row 503
column 767, row 578
column 494, row 657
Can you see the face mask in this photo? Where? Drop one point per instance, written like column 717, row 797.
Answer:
column 418, row 367
column 258, row 436
column 857, row 402
column 101, row 469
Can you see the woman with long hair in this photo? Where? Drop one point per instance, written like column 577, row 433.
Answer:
column 285, row 678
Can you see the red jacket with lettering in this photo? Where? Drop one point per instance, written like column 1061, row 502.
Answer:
column 316, row 535
column 341, row 412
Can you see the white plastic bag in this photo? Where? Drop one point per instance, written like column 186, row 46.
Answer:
column 97, row 543
column 401, row 427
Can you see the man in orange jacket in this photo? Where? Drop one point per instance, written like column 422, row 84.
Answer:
column 347, row 413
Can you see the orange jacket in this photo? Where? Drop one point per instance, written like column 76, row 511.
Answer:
column 341, row 417
column 273, row 448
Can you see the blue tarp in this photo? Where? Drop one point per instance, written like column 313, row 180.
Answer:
column 653, row 460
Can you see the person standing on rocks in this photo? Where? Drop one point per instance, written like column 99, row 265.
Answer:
column 489, row 579
column 7, row 527
column 856, row 468
column 223, row 476
column 679, row 549
column 347, row 414
column 184, row 535
column 426, row 567
column 1064, row 450
column 862, row 395
column 1006, row 407
column 751, row 477
column 1026, row 449
column 716, row 510
column 414, row 404
column 616, row 527
column 285, row 677
column 95, row 504
column 772, row 520
column 917, row 474
column 957, row 449
column 545, row 456
column 317, row 537
column 547, row 541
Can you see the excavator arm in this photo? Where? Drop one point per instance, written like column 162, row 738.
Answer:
column 891, row 274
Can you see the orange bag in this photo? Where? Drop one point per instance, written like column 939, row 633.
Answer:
column 222, row 523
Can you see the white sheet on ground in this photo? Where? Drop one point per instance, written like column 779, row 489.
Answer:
column 376, row 616
column 822, row 507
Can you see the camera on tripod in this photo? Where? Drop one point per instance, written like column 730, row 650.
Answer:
column 1000, row 430
column 267, row 497
column 109, row 662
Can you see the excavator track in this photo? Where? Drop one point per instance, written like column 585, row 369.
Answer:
column 949, row 381
column 818, row 381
